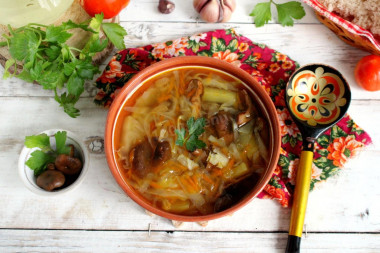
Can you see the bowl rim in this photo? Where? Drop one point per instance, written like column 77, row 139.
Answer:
column 22, row 167
column 202, row 61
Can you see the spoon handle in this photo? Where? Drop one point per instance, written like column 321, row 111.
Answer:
column 301, row 194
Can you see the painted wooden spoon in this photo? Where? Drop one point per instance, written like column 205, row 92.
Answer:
column 317, row 97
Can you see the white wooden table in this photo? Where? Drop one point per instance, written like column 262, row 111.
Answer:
column 343, row 214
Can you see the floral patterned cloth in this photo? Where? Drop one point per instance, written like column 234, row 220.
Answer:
column 272, row 70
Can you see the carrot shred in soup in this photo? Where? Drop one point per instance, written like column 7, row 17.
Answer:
column 194, row 143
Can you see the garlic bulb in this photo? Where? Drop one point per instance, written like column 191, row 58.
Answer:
column 215, row 10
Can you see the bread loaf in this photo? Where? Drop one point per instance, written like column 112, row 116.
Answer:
column 364, row 13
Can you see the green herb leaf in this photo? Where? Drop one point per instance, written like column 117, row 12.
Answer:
column 75, row 85
column 24, row 45
column 193, row 143
column 38, row 161
column 52, row 52
column 71, row 25
column 57, row 34
column 38, row 141
column 60, row 142
column 261, row 13
column 68, row 104
column 180, row 136
column 96, row 22
column 9, row 63
column 286, row 13
column 195, row 128
column 115, row 33
column 289, row 11
column 97, row 46
column 86, row 70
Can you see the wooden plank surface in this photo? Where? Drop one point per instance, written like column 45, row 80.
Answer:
column 342, row 214
column 178, row 241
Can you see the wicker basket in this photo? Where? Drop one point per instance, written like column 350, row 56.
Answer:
column 345, row 30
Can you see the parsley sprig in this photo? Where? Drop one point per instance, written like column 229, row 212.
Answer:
column 190, row 140
column 286, row 13
column 54, row 64
column 45, row 153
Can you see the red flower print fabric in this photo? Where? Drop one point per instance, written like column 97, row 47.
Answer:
column 272, row 70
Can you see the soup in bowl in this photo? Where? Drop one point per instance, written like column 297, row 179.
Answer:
column 192, row 138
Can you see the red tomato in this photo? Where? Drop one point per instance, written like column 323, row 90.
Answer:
column 367, row 72
column 110, row 8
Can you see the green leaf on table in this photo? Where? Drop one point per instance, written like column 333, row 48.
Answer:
column 67, row 101
column 96, row 22
column 115, row 33
column 9, row 63
column 38, row 160
column 289, row 11
column 86, row 70
column 57, row 34
column 60, row 142
column 71, row 25
column 75, row 85
column 262, row 14
column 52, row 52
column 38, row 141
column 24, row 45
column 97, row 46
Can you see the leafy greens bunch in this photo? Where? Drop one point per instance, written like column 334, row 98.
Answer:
column 48, row 60
column 45, row 154
column 286, row 12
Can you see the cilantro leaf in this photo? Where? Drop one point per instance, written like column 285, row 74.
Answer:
column 286, row 13
column 180, row 136
column 86, row 70
column 52, row 52
column 68, row 103
column 75, row 85
column 193, row 143
column 9, row 63
column 24, row 45
column 96, row 22
column 60, row 142
column 38, row 161
column 115, row 33
column 289, row 11
column 195, row 128
column 97, row 46
column 38, row 141
column 71, row 25
column 262, row 13
column 57, row 34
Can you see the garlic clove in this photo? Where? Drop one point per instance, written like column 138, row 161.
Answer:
column 211, row 12
column 199, row 4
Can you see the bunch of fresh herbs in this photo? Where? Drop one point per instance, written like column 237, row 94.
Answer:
column 48, row 60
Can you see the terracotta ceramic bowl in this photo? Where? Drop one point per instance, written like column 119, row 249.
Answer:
column 135, row 88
